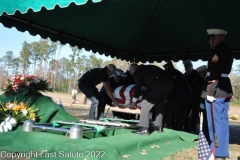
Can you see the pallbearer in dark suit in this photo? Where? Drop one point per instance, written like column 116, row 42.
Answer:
column 158, row 85
column 192, row 78
column 172, row 106
column 182, row 82
column 219, row 90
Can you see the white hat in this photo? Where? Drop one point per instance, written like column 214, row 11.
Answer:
column 119, row 72
column 216, row 31
column 201, row 68
column 112, row 68
column 187, row 62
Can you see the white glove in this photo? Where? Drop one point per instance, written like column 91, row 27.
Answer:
column 202, row 106
column 211, row 98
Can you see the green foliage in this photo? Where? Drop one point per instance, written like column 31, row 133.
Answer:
column 235, row 103
column 235, row 80
column 25, row 55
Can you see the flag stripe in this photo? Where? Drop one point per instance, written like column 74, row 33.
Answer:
column 124, row 94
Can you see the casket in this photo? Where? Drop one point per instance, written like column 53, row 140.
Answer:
column 124, row 95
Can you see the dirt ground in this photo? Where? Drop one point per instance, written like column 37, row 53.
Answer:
column 190, row 154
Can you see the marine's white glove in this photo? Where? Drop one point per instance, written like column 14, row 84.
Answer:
column 211, row 98
column 202, row 106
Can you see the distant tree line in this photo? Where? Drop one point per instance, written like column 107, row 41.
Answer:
column 42, row 59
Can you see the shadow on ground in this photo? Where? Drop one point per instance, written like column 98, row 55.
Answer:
column 234, row 134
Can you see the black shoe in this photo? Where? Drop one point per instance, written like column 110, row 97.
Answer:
column 158, row 129
column 141, row 131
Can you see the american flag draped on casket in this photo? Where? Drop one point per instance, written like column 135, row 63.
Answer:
column 124, row 95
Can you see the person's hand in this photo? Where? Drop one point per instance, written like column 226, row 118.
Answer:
column 202, row 106
column 133, row 105
column 115, row 103
column 211, row 98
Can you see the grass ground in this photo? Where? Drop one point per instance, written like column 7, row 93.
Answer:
column 80, row 111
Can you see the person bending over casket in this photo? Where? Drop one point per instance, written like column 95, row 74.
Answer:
column 158, row 85
column 87, row 84
column 114, row 81
column 181, row 80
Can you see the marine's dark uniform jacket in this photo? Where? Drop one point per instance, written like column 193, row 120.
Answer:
column 149, row 76
column 219, row 66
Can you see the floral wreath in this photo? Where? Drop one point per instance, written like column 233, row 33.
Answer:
column 24, row 84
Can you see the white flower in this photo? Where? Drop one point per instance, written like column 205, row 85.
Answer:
column 22, row 78
column 11, row 106
column 25, row 112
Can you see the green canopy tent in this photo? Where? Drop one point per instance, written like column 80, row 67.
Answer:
column 133, row 30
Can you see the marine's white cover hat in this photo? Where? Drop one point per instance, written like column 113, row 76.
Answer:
column 216, row 31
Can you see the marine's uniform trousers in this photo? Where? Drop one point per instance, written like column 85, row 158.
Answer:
column 220, row 108
column 219, row 87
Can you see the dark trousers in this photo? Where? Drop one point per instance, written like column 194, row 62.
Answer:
column 171, row 107
column 181, row 112
column 94, row 96
column 192, row 121
column 154, row 97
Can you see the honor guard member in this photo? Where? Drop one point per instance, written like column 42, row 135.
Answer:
column 158, row 85
column 202, row 81
column 182, row 82
column 192, row 78
column 219, row 92
column 87, row 84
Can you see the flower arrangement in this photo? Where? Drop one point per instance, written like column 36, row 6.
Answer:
column 16, row 113
column 23, row 84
